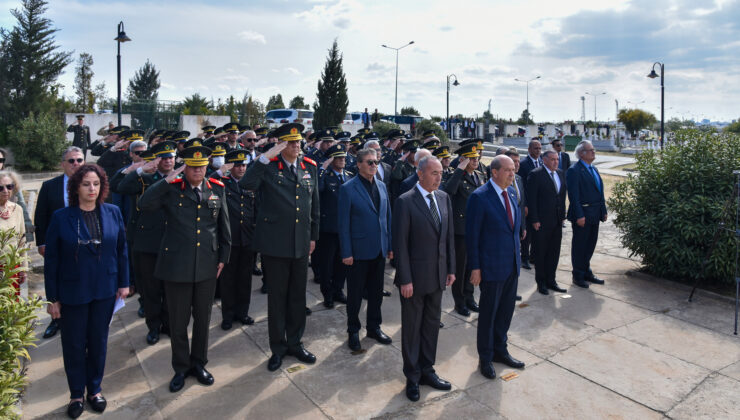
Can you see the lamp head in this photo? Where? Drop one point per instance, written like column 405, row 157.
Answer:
column 411, row 42
column 653, row 74
column 455, row 83
column 122, row 37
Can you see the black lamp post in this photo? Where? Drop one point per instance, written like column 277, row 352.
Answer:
column 122, row 37
column 395, row 102
column 455, row 83
column 653, row 75
column 527, row 83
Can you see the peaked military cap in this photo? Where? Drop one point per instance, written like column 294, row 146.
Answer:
column 118, row 130
column 218, row 131
column 289, row 132
column 231, row 127
column 395, row 134
column 323, row 135
column 219, row 149
column 147, row 155
column 164, row 149
column 195, row 141
column 196, row 156
column 245, row 127
column 180, row 136
column 428, row 133
column 209, row 128
column 470, row 150
column 442, row 152
column 371, row 135
column 336, row 151
column 410, row 145
column 132, row 135
column 262, row 131
column 238, row 156
column 79, row 117
column 431, row 144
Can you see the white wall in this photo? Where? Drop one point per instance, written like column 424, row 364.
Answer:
column 194, row 123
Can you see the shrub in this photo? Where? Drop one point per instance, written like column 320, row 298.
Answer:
column 669, row 213
column 383, row 127
column 17, row 323
column 37, row 142
column 425, row 125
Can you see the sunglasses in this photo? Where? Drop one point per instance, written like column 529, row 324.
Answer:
column 372, row 162
column 9, row 187
column 250, row 140
column 139, row 152
column 78, row 160
column 2, row 160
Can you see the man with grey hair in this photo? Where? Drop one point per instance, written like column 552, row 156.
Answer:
column 52, row 197
column 412, row 179
column 384, row 169
column 587, row 209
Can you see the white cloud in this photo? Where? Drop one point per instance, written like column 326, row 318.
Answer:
column 252, row 36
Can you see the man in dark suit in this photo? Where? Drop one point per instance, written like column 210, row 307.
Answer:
column 492, row 234
column 286, row 234
column 423, row 244
column 404, row 167
column 364, row 222
column 546, row 187
column 332, row 270
column 587, row 209
column 518, row 185
column 527, row 165
column 52, row 197
column 563, row 156
column 461, row 184
column 413, row 178
column 192, row 253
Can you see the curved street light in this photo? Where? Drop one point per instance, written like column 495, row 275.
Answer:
column 395, row 102
column 120, row 37
column 455, row 83
column 527, row 83
column 653, row 75
column 595, row 95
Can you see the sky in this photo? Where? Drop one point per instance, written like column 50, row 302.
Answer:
column 222, row 48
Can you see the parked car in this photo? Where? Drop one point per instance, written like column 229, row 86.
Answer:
column 277, row 117
column 402, row 119
column 353, row 118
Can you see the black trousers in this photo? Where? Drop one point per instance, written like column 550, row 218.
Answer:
column 365, row 275
column 497, row 301
column 546, row 243
column 527, row 250
column 151, row 290
column 462, row 290
column 236, row 283
column 420, row 315
column 583, row 245
column 333, row 271
column 286, row 301
column 85, row 343
column 184, row 300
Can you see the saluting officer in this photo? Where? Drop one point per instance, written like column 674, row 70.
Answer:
column 443, row 154
column 286, row 234
column 232, row 134
column 236, row 279
column 193, row 251
column 403, row 168
column 332, row 271
column 81, row 134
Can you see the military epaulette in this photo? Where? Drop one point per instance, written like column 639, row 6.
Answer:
column 216, row 181
column 275, row 159
column 311, row 161
column 177, row 180
column 226, row 177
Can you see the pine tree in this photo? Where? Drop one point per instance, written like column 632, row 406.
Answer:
column 30, row 63
column 275, row 102
column 83, row 84
column 332, row 102
column 145, row 83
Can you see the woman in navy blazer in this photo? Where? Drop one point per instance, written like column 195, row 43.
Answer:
column 86, row 270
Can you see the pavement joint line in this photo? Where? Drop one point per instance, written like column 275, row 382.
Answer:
column 484, row 403
column 699, row 325
column 726, row 376
column 690, row 392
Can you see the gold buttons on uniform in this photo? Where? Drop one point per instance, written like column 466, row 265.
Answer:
column 197, row 231
column 197, row 219
column 297, row 209
column 242, row 204
column 296, row 220
column 198, row 244
column 198, row 205
column 166, row 249
column 180, row 204
column 181, row 196
column 298, row 185
column 241, row 221
column 297, row 197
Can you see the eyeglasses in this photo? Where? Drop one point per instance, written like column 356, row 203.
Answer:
column 372, row 162
column 9, row 187
column 250, row 139
column 73, row 161
column 139, row 152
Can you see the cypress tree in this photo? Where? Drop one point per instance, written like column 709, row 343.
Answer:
column 145, row 83
column 332, row 102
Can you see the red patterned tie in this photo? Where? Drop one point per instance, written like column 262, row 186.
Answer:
column 508, row 208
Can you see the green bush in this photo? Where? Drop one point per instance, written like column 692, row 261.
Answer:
column 17, row 323
column 669, row 213
column 38, row 142
column 425, row 125
column 383, row 127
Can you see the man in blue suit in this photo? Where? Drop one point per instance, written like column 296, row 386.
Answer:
column 492, row 237
column 587, row 209
column 364, row 222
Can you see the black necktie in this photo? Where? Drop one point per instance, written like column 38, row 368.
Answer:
column 292, row 170
column 196, row 190
column 552, row 174
column 433, row 209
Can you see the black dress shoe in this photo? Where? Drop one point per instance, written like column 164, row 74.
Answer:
column 379, row 336
column 543, row 290
column 340, row 298
column 462, row 310
column 508, row 361
column 441, row 325
column 595, row 280
column 226, row 324
column 202, row 375
column 303, row 355
column 141, row 312
column 75, row 409
column 152, row 337
column 580, row 283
column 486, row 369
column 52, row 329
column 165, row 330
column 177, row 382
column 526, row 265
column 274, row 363
column 354, row 341
column 97, row 403
column 472, row 306
column 556, row 288
column 246, row 320
column 328, row 303
column 412, row 391
column 518, row 297
column 308, row 311
column 263, row 289
column 386, row 293
column 256, row 271
column 435, row 382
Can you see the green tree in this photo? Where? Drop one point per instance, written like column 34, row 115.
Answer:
column 428, row 124
column 275, row 102
column 251, row 111
column 525, row 119
column 635, row 119
column 409, row 110
column 674, row 124
column 734, row 127
column 332, row 102
column 196, row 105
column 102, row 101
column 383, row 127
column 85, row 100
column 38, row 141
column 298, row 103
column 30, row 63
column 670, row 213
column 145, row 83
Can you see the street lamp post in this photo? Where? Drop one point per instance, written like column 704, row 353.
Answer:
column 395, row 102
column 595, row 95
column 653, row 75
column 634, row 104
column 527, row 83
column 455, row 83
column 121, row 37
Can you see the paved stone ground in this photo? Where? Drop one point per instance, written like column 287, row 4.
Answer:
column 633, row 348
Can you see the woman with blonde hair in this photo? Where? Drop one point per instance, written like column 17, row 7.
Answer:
column 11, row 217
column 18, row 196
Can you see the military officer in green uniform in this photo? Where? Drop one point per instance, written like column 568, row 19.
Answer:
column 394, row 140
column 285, row 235
column 193, row 251
column 403, row 168
column 81, row 134
column 443, row 154
column 232, row 136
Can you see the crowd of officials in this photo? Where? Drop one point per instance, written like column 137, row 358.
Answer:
column 183, row 220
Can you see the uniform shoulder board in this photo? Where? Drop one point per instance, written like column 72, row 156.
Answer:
column 226, row 177
column 311, row 161
column 216, row 181
column 275, row 159
column 349, row 173
column 177, row 180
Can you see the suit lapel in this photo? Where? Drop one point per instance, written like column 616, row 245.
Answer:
column 421, row 202
column 500, row 207
column 363, row 192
